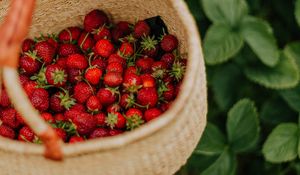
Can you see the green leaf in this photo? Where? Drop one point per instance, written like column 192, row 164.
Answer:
column 258, row 34
column 292, row 50
column 292, row 97
column 225, row 11
column 212, row 142
column 284, row 75
column 225, row 93
column 224, row 165
column 221, row 43
column 297, row 11
column 281, row 145
column 243, row 126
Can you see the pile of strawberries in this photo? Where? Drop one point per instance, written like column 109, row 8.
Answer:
column 98, row 81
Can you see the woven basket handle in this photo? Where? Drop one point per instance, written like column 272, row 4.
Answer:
column 12, row 32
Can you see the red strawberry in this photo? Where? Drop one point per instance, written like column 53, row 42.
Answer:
column 26, row 134
column 7, row 132
column 113, row 79
column 47, row 117
column 56, row 75
column 130, row 70
column 99, row 132
column 9, row 118
column 169, row 59
column 147, row 96
column 104, row 48
column 170, row 93
column 29, row 87
column 100, row 119
column 100, row 63
column 113, row 108
column 127, row 101
column 117, row 58
column 45, row 51
column 106, row 96
column 61, row 133
column 115, row 120
column 94, row 20
column 82, row 92
column 29, row 63
column 145, row 64
column 78, row 107
column 69, row 34
column 51, row 40
column 27, row 45
column 149, row 46
column 148, row 81
column 85, row 123
column 67, row 49
column 4, row 99
column 40, row 99
column 169, row 43
column 102, row 33
column 151, row 114
column 62, row 62
column 141, row 28
column 86, row 42
column 165, row 106
column 23, row 79
column 134, row 118
column 122, row 29
column 93, row 104
column 114, row 132
column 74, row 75
column 71, row 114
column 77, row 61
column 177, row 89
column 126, row 49
column 59, row 117
column 76, row 139
column 93, row 75
column 132, row 82
column 61, row 101
column 114, row 67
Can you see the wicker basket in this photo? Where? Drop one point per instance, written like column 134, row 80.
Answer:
column 159, row 147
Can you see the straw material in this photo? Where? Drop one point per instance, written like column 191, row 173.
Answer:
column 159, row 147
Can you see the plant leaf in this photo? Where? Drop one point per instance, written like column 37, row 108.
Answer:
column 292, row 50
column 258, row 34
column 281, row 145
column 225, row 11
column 292, row 97
column 284, row 75
column 224, row 165
column 297, row 11
column 212, row 142
column 221, row 43
column 243, row 126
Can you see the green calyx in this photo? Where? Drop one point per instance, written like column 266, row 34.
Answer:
column 134, row 121
column 67, row 126
column 40, row 78
column 111, row 120
column 33, row 55
column 148, row 43
column 177, row 71
column 66, row 100
column 162, row 88
column 158, row 73
column 58, row 76
column 131, row 102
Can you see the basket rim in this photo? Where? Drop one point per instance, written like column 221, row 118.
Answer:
column 103, row 144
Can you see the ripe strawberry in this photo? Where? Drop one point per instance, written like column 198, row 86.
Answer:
column 100, row 63
column 170, row 93
column 45, row 51
column 94, row 20
column 169, row 43
column 104, row 48
column 77, row 61
column 141, row 28
column 152, row 113
column 117, row 58
column 7, row 132
column 100, row 119
column 27, row 45
column 132, row 82
column 29, row 87
column 23, row 79
column 127, row 101
column 93, row 104
column 61, row 101
column 86, row 42
column 145, row 64
column 114, row 67
column 29, row 63
column 126, row 49
column 134, row 118
column 78, row 107
column 169, row 59
column 106, row 96
column 177, row 89
column 26, row 134
column 102, row 33
column 56, row 75
column 149, row 46
column 113, row 79
column 114, row 132
column 93, row 75
column 69, row 34
column 76, row 139
column 113, row 108
column 62, row 62
column 72, row 113
column 147, row 96
column 99, row 132
column 130, row 70
column 165, row 106
column 85, row 123
column 9, row 118
column 40, row 99
column 61, row 133
column 82, row 92
column 59, row 117
column 74, row 75
column 115, row 120
column 47, row 117
column 67, row 49
column 52, row 40
column 122, row 29
column 4, row 99
column 159, row 69
column 148, row 81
